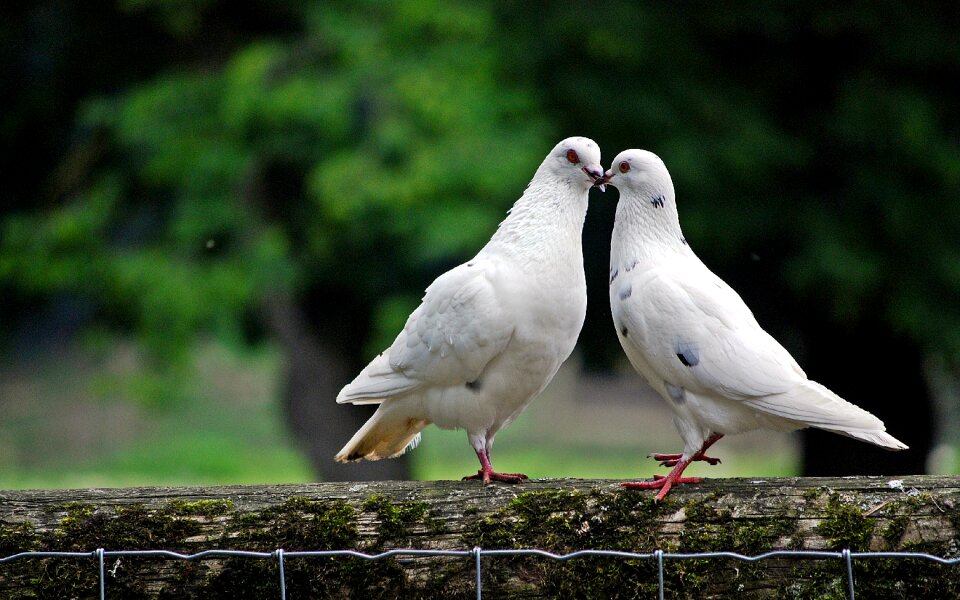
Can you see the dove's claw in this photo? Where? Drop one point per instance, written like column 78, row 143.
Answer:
column 679, row 463
column 508, row 477
column 488, row 476
column 664, row 483
column 514, row 475
column 659, row 481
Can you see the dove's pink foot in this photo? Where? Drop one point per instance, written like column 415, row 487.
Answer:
column 664, row 483
column 487, row 474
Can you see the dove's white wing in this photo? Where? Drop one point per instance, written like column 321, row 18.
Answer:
column 695, row 332
column 700, row 335
column 448, row 340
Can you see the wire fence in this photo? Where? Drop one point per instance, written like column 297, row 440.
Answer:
column 475, row 554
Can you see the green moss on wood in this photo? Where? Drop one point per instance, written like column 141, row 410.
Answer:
column 204, row 508
column 396, row 519
column 901, row 511
column 711, row 527
column 83, row 528
column 19, row 537
column 565, row 521
column 845, row 525
column 301, row 524
column 814, row 494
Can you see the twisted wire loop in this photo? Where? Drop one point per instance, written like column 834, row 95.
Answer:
column 281, row 556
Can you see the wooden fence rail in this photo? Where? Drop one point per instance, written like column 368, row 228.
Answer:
column 748, row 516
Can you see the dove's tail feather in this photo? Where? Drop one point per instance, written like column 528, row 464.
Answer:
column 880, row 438
column 816, row 406
column 375, row 383
column 384, row 435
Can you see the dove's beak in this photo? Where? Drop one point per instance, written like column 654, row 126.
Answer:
column 603, row 181
column 595, row 173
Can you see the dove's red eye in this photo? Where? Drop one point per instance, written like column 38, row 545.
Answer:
column 624, row 167
column 572, row 156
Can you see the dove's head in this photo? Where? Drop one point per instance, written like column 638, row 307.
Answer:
column 576, row 161
column 639, row 171
column 647, row 197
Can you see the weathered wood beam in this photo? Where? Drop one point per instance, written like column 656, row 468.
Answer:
column 749, row 516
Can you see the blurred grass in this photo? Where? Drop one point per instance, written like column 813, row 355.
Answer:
column 521, row 448
column 186, row 459
column 228, row 430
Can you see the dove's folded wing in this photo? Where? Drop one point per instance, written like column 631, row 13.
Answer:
column 699, row 335
column 710, row 343
column 448, row 340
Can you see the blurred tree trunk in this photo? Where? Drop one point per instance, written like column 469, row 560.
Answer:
column 314, row 372
column 319, row 353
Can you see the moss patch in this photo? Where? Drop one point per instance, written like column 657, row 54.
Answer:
column 712, row 527
column 565, row 521
column 297, row 524
column 206, row 508
column 845, row 525
column 397, row 520
column 83, row 528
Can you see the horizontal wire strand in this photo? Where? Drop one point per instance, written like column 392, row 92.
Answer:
column 412, row 552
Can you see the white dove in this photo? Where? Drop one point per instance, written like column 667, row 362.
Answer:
column 492, row 332
column 695, row 341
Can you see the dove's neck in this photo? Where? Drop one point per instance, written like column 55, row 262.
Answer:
column 647, row 228
column 544, row 226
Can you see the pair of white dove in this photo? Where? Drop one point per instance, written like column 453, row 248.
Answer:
column 491, row 333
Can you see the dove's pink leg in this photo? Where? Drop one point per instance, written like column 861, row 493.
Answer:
column 671, row 460
column 664, row 483
column 487, row 474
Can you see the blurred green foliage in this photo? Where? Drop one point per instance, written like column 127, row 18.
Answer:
column 290, row 163
column 346, row 153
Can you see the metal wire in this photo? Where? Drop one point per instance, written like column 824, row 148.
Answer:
column 100, row 555
column 283, row 579
column 103, row 583
column 476, row 553
column 659, row 554
column 849, row 562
